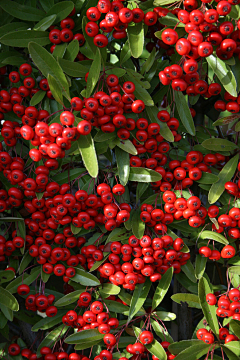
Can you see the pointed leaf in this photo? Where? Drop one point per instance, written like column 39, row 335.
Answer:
column 8, row 300
column 72, row 50
column 123, row 165
column 127, row 146
column 208, row 311
column 225, row 175
column 88, row 153
column 110, row 289
column 22, row 38
column 52, row 337
column 69, row 298
column 55, row 89
column 138, row 226
column 20, row 11
column 215, row 144
column 144, row 175
column 184, row 112
column 62, row 10
column 27, row 258
column 200, row 266
column 85, row 335
column 224, row 74
column 48, row 323
column 208, row 178
column 73, row 68
column 37, row 98
column 139, row 297
column 162, row 288
column 161, row 332
column 193, row 352
column 212, row 235
column 234, row 346
column 45, row 23
column 85, row 278
column 179, row 346
column 191, row 299
column 48, row 65
column 188, row 269
column 155, row 348
column 94, row 73
column 136, row 39
column 152, row 112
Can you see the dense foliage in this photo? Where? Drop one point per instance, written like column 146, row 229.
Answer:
column 119, row 180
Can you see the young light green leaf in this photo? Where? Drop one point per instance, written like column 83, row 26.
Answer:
column 234, row 270
column 136, row 39
column 224, row 74
column 166, row 316
column 191, row 299
column 162, row 288
column 215, row 144
column 45, row 23
column 48, row 65
column 225, row 175
column 212, row 235
column 110, row 289
column 88, row 153
column 139, row 297
column 123, row 165
column 94, row 73
column 144, row 175
column 184, row 112
column 22, row 38
column 208, row 311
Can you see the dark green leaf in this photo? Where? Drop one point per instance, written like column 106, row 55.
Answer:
column 26, row 278
column 25, row 262
column 69, row 298
column 141, row 188
column 149, row 62
column 194, row 352
column 122, row 158
column 200, row 266
column 85, row 335
column 162, row 288
column 155, row 348
column 20, row 11
column 72, row 50
column 6, row 275
column 136, row 39
column 171, row 20
column 215, row 144
column 117, row 307
column 161, row 332
column 144, row 175
column 191, row 299
column 68, row 176
column 139, row 297
column 102, row 137
column 48, row 323
column 8, row 300
column 208, row 311
column 125, row 53
column 59, row 51
column 37, row 98
column 235, row 327
column 22, row 38
column 184, row 112
column 85, row 278
column 94, row 73
column 225, row 175
column 152, row 112
column 61, row 9
column 224, row 74
column 48, row 65
column 138, row 226
column 45, row 23
column 13, row 26
column 55, row 89
column 52, row 337
column 88, row 153
column 188, row 269
column 178, row 347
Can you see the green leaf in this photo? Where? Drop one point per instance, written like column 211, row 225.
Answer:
column 155, row 348
column 171, row 20
column 233, row 346
column 224, row 74
column 47, row 323
column 68, row 176
column 8, row 313
column 225, row 175
column 59, row 51
column 102, row 137
column 226, row 120
column 184, row 112
column 235, row 327
column 13, row 26
column 27, row 258
column 136, row 39
column 52, row 337
column 161, row 332
column 162, row 2
column 117, row 307
column 208, row 178
column 48, row 65
column 20, row 11
column 125, row 53
column 110, row 289
column 55, row 89
column 119, row 72
column 138, row 226
column 69, row 298
column 208, row 311
column 45, row 23
column 152, row 112
column 85, row 335
column 22, row 38
column 127, row 146
column 25, row 278
column 179, row 346
column 144, row 175
column 37, row 98
column 188, row 269
column 72, row 50
column 215, row 144
column 139, row 297
column 85, row 278
column 140, row 92
column 234, row 270
column 162, row 288
column 62, row 10
column 149, row 62
column 194, row 352
column 8, row 300
column 141, row 188
column 6, row 275
column 94, row 73
column 122, row 158
column 200, row 266
column 212, row 235
column 88, row 153
column 44, row 276
column 191, row 299
column 166, row 316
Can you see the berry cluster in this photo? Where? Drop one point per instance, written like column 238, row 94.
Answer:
column 228, row 305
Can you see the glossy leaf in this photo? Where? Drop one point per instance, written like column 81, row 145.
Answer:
column 123, row 165
column 94, row 73
column 72, row 50
column 20, row 11
column 225, row 175
column 191, row 299
column 68, row 176
column 136, row 39
column 224, row 74
column 152, row 112
column 162, row 288
column 48, row 323
column 155, row 348
column 22, row 38
column 234, row 346
column 193, row 352
column 208, row 178
column 110, row 289
column 88, row 153
column 37, row 98
column 215, row 144
column 8, row 300
column 184, row 112
column 139, row 297
column 85, row 278
column 212, row 235
column 48, row 65
column 45, row 23
column 6, row 276
column 161, row 332
column 179, row 346
column 138, row 226
column 235, row 327
column 53, row 336
column 61, row 9
column 69, row 298
column 208, row 311
column 55, row 89
column 188, row 269
column 73, row 68
column 166, row 316
column 144, row 175
column 85, row 335
column 200, row 266
column 127, row 146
